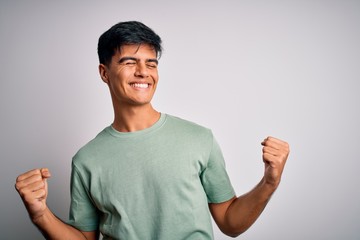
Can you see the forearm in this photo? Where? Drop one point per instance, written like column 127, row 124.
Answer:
column 244, row 210
column 54, row 229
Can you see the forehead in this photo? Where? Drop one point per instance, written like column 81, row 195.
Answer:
column 139, row 50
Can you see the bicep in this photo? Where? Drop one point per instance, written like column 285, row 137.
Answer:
column 218, row 212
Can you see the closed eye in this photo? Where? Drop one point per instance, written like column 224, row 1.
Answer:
column 130, row 63
column 151, row 65
column 127, row 61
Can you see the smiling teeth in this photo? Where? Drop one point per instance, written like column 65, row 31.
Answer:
column 140, row 85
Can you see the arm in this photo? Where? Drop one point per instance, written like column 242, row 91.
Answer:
column 33, row 189
column 238, row 214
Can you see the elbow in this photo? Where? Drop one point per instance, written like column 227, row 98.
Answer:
column 234, row 231
column 232, row 234
column 234, row 228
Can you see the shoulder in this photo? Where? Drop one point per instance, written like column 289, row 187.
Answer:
column 181, row 122
column 188, row 127
column 91, row 149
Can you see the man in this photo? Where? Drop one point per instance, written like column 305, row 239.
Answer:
column 149, row 175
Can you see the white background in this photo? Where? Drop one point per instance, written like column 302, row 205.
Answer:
column 245, row 69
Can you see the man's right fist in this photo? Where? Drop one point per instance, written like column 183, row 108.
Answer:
column 32, row 187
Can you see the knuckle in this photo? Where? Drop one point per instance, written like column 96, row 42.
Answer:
column 37, row 177
column 287, row 146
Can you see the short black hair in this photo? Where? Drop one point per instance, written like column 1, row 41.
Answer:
column 126, row 33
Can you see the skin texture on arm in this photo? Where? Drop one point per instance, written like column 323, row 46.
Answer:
column 33, row 189
column 238, row 214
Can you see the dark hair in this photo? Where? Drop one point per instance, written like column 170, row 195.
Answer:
column 124, row 33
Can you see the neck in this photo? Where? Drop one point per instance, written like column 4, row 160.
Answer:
column 135, row 118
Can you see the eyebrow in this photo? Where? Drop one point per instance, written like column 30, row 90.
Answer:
column 123, row 59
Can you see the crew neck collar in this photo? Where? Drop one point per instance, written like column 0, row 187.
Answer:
column 148, row 130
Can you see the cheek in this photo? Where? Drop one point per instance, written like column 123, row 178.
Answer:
column 155, row 76
column 121, row 77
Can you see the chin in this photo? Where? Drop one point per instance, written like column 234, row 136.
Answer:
column 141, row 103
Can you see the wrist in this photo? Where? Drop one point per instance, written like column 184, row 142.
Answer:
column 268, row 187
column 42, row 219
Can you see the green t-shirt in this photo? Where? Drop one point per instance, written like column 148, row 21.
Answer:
column 150, row 184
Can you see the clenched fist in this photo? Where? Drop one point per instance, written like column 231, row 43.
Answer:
column 275, row 154
column 32, row 187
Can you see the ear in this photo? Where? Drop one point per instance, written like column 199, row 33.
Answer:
column 103, row 73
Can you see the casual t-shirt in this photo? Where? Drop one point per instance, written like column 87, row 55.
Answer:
column 150, row 184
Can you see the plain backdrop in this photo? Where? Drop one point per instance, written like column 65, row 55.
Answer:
column 245, row 69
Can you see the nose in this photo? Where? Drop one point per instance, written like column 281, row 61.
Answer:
column 141, row 70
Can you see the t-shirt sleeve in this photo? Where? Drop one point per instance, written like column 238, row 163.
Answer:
column 83, row 214
column 214, row 177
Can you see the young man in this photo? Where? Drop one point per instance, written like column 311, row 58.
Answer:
column 149, row 175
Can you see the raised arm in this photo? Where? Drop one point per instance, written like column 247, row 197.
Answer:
column 33, row 189
column 238, row 214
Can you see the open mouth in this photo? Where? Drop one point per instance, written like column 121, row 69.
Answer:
column 140, row 85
